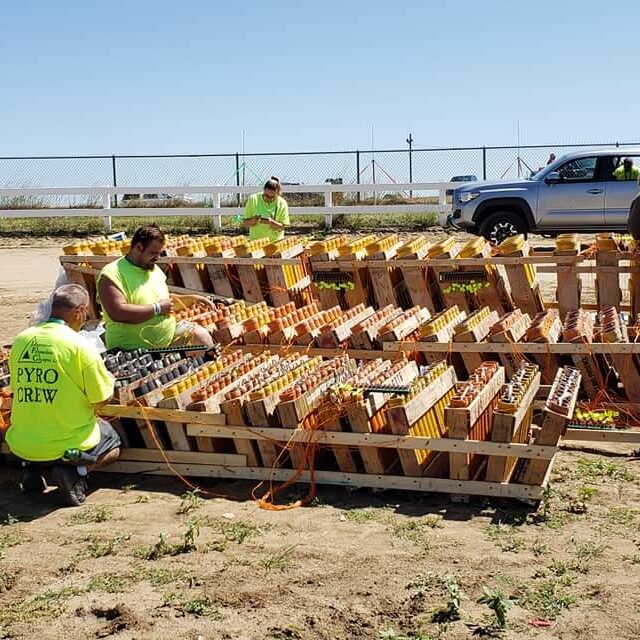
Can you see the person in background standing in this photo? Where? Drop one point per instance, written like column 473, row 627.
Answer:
column 552, row 158
column 267, row 213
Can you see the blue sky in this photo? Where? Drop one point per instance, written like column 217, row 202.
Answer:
column 83, row 77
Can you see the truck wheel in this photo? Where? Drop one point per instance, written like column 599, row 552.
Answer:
column 501, row 225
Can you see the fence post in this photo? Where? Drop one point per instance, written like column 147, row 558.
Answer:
column 484, row 163
column 217, row 217
column 328, row 202
column 237, row 178
column 115, row 180
column 106, row 205
column 358, row 174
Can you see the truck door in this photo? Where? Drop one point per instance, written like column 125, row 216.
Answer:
column 577, row 201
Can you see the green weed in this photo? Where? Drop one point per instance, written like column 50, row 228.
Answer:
column 593, row 470
column 190, row 501
column 549, row 598
column 539, row 548
column 623, row 516
column 498, row 602
column 100, row 548
column 278, row 561
column 505, row 537
column 91, row 514
column 200, row 606
column 111, row 582
column 161, row 576
column 11, row 538
column 236, row 531
column 362, row 516
column 588, row 549
column 455, row 595
column 414, row 531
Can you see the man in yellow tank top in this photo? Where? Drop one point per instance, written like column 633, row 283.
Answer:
column 136, row 302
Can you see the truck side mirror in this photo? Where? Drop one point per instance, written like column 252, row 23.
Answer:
column 552, row 178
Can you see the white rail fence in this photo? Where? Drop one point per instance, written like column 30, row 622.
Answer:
column 105, row 195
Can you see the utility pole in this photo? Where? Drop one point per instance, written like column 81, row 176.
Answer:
column 410, row 143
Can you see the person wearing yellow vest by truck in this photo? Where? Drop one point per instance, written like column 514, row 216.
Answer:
column 135, row 298
column 626, row 171
column 59, row 382
column 267, row 213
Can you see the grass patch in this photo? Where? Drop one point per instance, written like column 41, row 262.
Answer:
column 362, row 516
column 235, row 531
column 623, row 516
column 549, row 598
column 278, row 561
column 588, row 549
column 49, row 603
column 198, row 606
column 111, row 582
column 595, row 469
column 8, row 580
column 415, row 531
column 505, row 537
column 91, row 515
column 162, row 576
column 11, row 538
column 100, row 548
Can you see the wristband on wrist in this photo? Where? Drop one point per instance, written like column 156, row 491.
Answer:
column 156, row 308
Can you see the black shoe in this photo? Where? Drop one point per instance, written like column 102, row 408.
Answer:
column 32, row 483
column 71, row 485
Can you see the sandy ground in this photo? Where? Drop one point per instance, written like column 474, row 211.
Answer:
column 353, row 565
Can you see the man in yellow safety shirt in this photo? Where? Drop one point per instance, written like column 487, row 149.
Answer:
column 627, row 171
column 135, row 299
column 267, row 213
column 58, row 381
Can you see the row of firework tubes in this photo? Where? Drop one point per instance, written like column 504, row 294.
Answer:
column 364, row 327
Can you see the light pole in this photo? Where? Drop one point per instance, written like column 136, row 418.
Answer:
column 410, row 143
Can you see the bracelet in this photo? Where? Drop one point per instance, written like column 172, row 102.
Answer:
column 156, row 308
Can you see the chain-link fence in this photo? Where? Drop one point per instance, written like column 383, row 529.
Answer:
column 341, row 167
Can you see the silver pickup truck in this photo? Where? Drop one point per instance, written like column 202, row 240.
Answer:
column 579, row 192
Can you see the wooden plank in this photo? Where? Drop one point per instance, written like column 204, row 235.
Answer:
column 382, row 285
column 441, row 485
column 158, row 413
column 250, row 283
column 345, row 455
column 349, row 439
column 415, row 278
column 608, row 283
column 569, row 287
column 195, row 457
column 623, row 436
column 234, row 415
column 556, row 348
column 553, row 424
